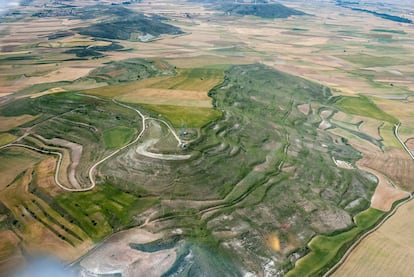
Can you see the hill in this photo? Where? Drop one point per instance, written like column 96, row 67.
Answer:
column 264, row 10
column 138, row 27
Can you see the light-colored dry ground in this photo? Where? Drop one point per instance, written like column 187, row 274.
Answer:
column 325, row 124
column 36, row 232
column 386, row 252
column 10, row 254
column 116, row 256
column 75, row 156
column 385, row 194
column 396, row 164
column 404, row 111
column 14, row 162
column 168, row 97
column 304, row 108
column 49, row 91
column 410, row 144
column 342, row 164
column 45, row 176
column 10, row 122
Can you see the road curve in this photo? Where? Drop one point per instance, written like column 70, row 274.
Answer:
column 396, row 126
column 94, row 166
column 57, row 167
column 143, row 119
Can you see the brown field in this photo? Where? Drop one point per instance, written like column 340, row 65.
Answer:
column 8, row 244
column 14, row 161
column 45, row 176
column 386, row 252
column 403, row 110
column 336, row 47
column 67, row 73
column 75, row 151
column 394, row 163
column 39, row 233
column 118, row 90
column 65, row 164
column 10, row 254
column 304, row 108
column 168, row 97
column 10, row 122
column 385, row 194
column 410, row 144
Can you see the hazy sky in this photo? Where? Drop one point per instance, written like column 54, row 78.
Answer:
column 6, row 4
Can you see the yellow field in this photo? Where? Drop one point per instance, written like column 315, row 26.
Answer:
column 119, row 90
column 38, row 225
column 6, row 138
column 195, row 79
column 9, row 122
column 386, row 252
column 14, row 161
column 168, row 97
column 66, row 160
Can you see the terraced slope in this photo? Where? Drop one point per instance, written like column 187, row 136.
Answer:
column 261, row 176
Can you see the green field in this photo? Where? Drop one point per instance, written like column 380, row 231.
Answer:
column 192, row 117
column 103, row 210
column 371, row 61
column 6, row 138
column 199, row 79
column 118, row 136
column 400, row 32
column 362, row 105
column 327, row 250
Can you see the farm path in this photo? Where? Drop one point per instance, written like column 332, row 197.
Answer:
column 94, row 166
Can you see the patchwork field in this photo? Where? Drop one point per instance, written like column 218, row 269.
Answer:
column 186, row 124
column 388, row 251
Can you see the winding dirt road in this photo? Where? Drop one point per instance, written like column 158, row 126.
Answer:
column 93, row 168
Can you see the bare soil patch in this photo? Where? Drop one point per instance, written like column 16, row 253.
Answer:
column 115, row 255
column 10, row 122
column 168, row 97
column 75, row 154
column 389, row 251
column 385, row 194
column 304, row 108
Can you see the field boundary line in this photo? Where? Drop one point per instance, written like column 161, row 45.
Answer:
column 356, row 243
column 56, row 175
column 377, row 226
column 396, row 126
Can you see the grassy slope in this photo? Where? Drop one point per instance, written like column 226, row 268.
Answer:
column 192, row 117
column 274, row 10
column 103, row 209
column 199, row 79
column 118, row 136
column 6, row 138
column 362, row 105
column 326, row 250
column 124, row 29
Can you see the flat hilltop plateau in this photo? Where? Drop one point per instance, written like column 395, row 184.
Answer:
column 213, row 138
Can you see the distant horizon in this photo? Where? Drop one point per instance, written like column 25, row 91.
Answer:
column 6, row 5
